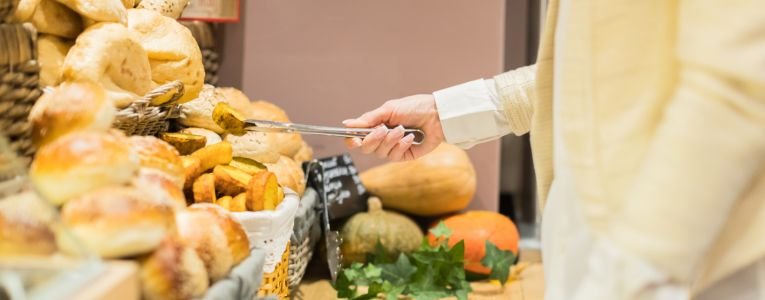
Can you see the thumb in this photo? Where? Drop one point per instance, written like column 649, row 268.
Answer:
column 370, row 119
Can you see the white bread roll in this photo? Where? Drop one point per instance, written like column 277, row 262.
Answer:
column 157, row 154
column 173, row 271
column 81, row 162
column 70, row 107
column 198, row 112
column 288, row 173
column 200, row 230
column 109, row 54
column 238, row 243
column 51, row 51
column 287, row 144
column 173, row 52
column 211, row 136
column 25, row 226
column 99, row 10
column 160, row 187
column 54, row 18
column 168, row 8
column 254, row 145
column 116, row 222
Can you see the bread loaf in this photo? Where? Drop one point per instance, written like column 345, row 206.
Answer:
column 173, row 271
column 54, row 18
column 25, row 226
column 81, row 162
column 116, row 222
column 238, row 243
column 51, row 51
column 109, row 54
column 173, row 52
column 70, row 107
column 159, row 155
column 99, row 10
column 200, row 230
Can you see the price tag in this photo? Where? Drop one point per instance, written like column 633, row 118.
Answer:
column 220, row 11
column 346, row 194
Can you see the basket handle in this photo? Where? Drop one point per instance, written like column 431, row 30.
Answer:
column 163, row 95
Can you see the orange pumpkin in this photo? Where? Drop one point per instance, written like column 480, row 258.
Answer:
column 475, row 227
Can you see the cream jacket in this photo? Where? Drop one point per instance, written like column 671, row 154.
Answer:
column 664, row 127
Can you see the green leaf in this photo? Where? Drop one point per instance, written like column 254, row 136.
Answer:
column 441, row 231
column 498, row 261
column 371, row 272
column 399, row 273
column 344, row 287
column 379, row 255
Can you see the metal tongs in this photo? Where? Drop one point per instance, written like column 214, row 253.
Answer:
column 273, row 126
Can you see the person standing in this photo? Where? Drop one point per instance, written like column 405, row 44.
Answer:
column 647, row 124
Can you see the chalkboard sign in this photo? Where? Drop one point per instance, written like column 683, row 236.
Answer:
column 345, row 193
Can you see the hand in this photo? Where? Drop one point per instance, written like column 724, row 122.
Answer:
column 388, row 140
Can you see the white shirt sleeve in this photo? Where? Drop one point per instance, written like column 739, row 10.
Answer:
column 471, row 113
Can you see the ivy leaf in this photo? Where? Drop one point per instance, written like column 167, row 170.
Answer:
column 379, row 255
column 399, row 273
column 498, row 261
column 441, row 231
column 372, row 272
column 345, row 287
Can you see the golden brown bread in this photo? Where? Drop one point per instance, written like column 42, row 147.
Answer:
column 24, row 11
column 161, row 187
column 198, row 112
column 285, row 144
column 99, row 10
column 304, row 154
column 200, row 230
column 71, row 107
column 80, row 162
column 25, row 226
column 109, row 54
column 289, row 174
column 173, row 52
column 173, row 271
column 238, row 243
column 116, row 221
column 158, row 154
column 51, row 51
column 54, row 18
column 168, row 8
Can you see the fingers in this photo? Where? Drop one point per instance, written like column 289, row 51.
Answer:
column 371, row 119
column 401, row 150
column 391, row 139
column 372, row 141
column 353, row 143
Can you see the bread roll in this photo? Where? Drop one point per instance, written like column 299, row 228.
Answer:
column 168, row 8
column 212, row 137
column 51, row 51
column 289, row 174
column 25, row 226
column 99, row 10
column 287, row 144
column 54, row 18
column 173, row 271
column 71, row 107
column 81, row 162
column 173, row 52
column 304, row 154
column 200, row 230
column 161, row 187
column 254, row 145
column 109, row 54
column 116, row 222
column 238, row 243
column 129, row 3
column 24, row 11
column 198, row 112
column 157, row 154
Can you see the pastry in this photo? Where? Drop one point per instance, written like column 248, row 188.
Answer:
column 173, row 52
column 70, row 107
column 158, row 154
column 160, row 187
column 109, row 54
column 81, row 162
column 116, row 222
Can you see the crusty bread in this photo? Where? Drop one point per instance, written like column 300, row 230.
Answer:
column 304, row 154
column 168, row 8
column 289, row 174
column 25, row 226
column 161, row 187
column 173, row 271
column 238, row 243
column 200, row 230
column 24, row 11
column 71, row 107
column 54, row 18
column 80, row 162
column 109, row 54
column 51, row 51
column 116, row 222
column 212, row 137
column 99, row 10
column 254, row 145
column 286, row 144
column 198, row 112
column 158, row 154
column 173, row 52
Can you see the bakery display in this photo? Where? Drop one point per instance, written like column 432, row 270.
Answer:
column 80, row 162
column 173, row 271
column 116, row 221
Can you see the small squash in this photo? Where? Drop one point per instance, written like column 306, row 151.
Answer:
column 475, row 228
column 440, row 182
column 396, row 232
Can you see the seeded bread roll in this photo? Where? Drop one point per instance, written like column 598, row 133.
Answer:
column 168, row 8
column 200, row 230
column 173, row 271
column 116, row 222
column 81, row 162
column 25, row 226
column 258, row 146
column 71, row 107
column 287, row 144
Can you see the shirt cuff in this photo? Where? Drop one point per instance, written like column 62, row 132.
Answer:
column 616, row 274
column 471, row 113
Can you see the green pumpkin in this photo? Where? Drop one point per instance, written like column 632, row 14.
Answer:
column 396, row 232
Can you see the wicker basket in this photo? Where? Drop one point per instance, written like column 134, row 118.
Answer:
column 141, row 118
column 19, row 90
column 306, row 234
column 275, row 283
